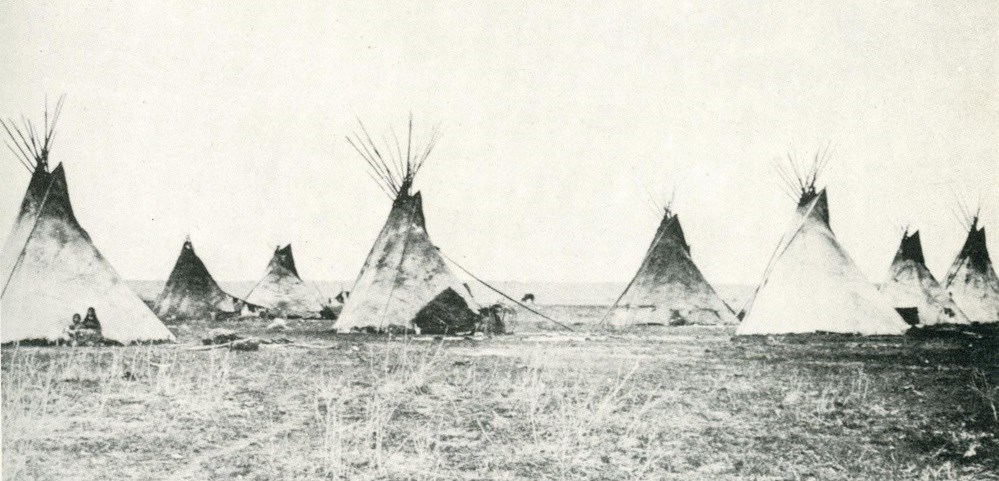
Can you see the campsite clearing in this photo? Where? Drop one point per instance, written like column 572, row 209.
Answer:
column 668, row 403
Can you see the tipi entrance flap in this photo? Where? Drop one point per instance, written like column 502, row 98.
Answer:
column 447, row 313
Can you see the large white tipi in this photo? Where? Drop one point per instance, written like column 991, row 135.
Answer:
column 282, row 290
column 913, row 290
column 811, row 284
column 971, row 279
column 404, row 284
column 51, row 270
column 668, row 288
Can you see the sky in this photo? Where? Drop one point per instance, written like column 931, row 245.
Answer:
column 561, row 125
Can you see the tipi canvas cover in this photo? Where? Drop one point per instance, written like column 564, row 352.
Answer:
column 282, row 291
column 812, row 284
column 192, row 293
column 668, row 288
column 405, row 284
column 51, row 270
column 910, row 285
column 972, row 280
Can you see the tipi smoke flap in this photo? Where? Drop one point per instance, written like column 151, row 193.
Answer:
column 404, row 284
column 51, row 269
column 971, row 279
column 811, row 284
column 283, row 292
column 192, row 293
column 668, row 288
column 913, row 290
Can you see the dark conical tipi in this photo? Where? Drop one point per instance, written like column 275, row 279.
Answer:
column 971, row 279
column 668, row 288
column 811, row 284
column 910, row 285
column 192, row 293
column 283, row 292
column 51, row 269
column 404, row 284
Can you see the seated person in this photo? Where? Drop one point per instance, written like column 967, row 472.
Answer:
column 91, row 322
column 77, row 323
column 70, row 333
column 86, row 332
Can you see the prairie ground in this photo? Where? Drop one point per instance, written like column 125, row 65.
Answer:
column 660, row 403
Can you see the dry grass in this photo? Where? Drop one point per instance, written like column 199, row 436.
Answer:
column 674, row 403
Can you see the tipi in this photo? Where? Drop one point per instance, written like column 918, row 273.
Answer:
column 910, row 285
column 404, row 284
column 282, row 291
column 972, row 280
column 668, row 288
column 51, row 270
column 192, row 293
column 811, row 284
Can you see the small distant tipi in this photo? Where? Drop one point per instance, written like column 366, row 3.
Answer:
column 283, row 292
column 972, row 280
column 913, row 290
column 50, row 269
column 404, row 284
column 668, row 288
column 811, row 284
column 192, row 293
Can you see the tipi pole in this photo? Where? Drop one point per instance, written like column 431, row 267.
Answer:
column 777, row 253
column 618, row 300
column 20, row 256
column 255, row 286
column 501, row 292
